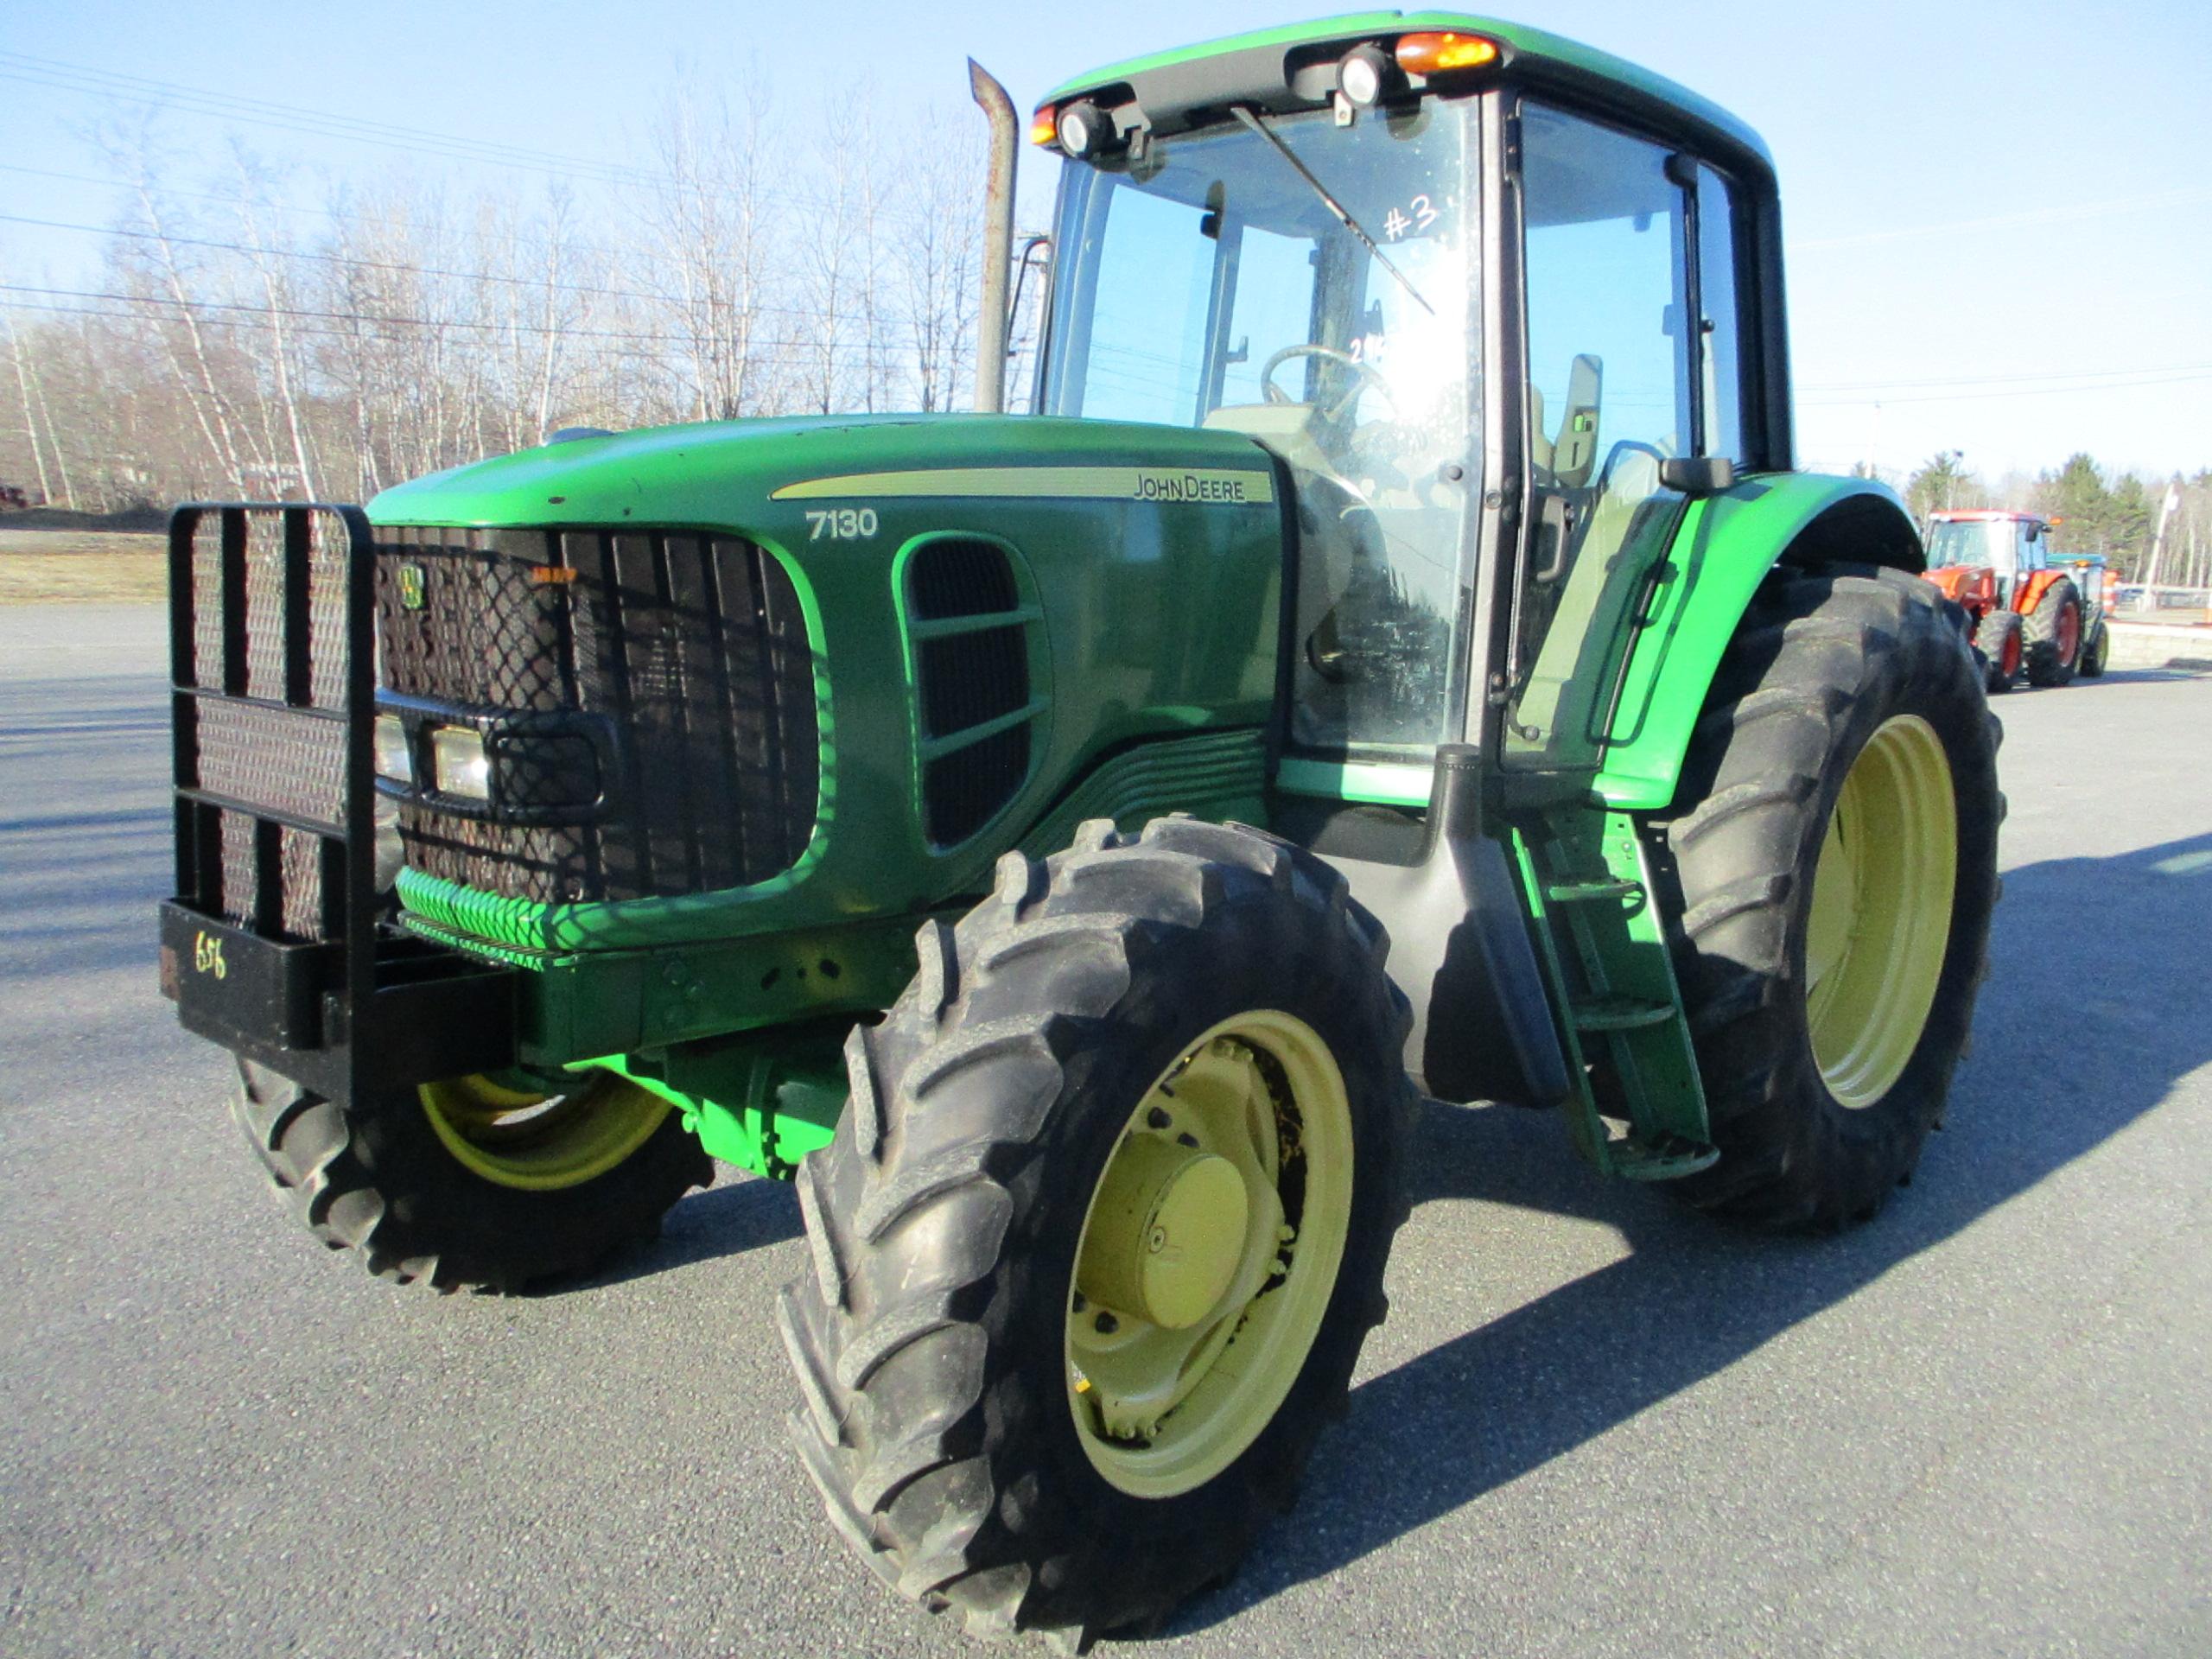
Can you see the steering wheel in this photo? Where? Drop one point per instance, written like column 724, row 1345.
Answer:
column 1629, row 446
column 1365, row 372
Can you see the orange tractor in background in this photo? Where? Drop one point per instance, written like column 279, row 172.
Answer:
column 2031, row 612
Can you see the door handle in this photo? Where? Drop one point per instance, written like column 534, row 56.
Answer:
column 1554, row 528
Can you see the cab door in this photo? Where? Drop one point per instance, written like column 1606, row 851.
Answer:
column 1629, row 303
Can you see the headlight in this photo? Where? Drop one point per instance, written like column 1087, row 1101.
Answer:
column 1082, row 127
column 1360, row 76
column 390, row 742
column 458, row 763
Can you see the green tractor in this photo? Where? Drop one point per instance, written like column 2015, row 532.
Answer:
column 1396, row 660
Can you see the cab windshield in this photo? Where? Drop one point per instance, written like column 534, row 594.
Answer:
column 1210, row 284
column 1972, row 541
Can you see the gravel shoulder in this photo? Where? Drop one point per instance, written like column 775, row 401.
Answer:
column 74, row 567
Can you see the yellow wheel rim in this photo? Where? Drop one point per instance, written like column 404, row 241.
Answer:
column 542, row 1141
column 1209, row 1253
column 1881, row 914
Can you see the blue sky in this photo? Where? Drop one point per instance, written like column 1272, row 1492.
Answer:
column 2000, row 216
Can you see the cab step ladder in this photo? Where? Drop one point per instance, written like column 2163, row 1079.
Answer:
column 1637, row 1108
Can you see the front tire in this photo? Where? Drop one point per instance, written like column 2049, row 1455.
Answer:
column 1143, row 1106
column 2003, row 651
column 468, row 1184
column 1834, row 849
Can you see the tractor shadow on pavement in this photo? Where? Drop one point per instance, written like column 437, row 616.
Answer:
column 63, row 866
column 2073, row 1047
column 739, row 1213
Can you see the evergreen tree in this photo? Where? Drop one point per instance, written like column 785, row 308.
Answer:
column 1942, row 484
column 2131, row 514
column 2075, row 496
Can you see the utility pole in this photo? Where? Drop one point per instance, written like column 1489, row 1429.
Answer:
column 2158, row 544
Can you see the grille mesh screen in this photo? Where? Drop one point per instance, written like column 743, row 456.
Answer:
column 694, row 646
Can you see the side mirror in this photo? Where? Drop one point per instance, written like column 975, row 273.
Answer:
column 1698, row 475
column 1575, row 451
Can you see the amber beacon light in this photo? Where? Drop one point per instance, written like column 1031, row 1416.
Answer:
column 1442, row 53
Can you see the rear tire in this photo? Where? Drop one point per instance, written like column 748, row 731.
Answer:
column 1815, row 1128
column 2053, row 635
column 2098, row 653
column 378, row 1177
column 937, row 1339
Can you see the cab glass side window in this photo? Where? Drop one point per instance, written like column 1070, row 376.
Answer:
column 1147, row 344
column 1722, row 367
column 1606, row 262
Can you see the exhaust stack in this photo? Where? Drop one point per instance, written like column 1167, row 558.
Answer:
column 998, row 240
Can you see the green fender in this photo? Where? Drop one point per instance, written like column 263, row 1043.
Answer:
column 1723, row 550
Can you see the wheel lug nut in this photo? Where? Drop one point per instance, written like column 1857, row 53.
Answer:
column 1106, row 1324
column 1158, row 1117
column 1081, row 1301
column 1186, row 1139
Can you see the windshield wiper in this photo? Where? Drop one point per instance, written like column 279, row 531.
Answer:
column 1253, row 121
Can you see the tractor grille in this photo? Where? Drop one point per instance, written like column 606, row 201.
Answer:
column 971, row 660
column 695, row 647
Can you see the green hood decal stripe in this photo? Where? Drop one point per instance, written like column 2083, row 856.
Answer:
column 1218, row 486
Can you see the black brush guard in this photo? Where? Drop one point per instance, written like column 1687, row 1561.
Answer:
column 278, row 945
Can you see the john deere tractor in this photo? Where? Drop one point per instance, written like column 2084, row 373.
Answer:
column 1396, row 660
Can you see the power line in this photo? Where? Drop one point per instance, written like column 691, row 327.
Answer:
column 371, row 221
column 534, row 283
column 301, row 332
column 2004, row 221
column 380, row 321
column 2006, row 379
column 2169, row 379
column 55, row 75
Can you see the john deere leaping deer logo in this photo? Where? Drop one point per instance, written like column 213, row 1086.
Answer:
column 412, row 593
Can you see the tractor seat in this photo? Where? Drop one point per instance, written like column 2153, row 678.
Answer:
column 1540, row 442
column 1284, row 429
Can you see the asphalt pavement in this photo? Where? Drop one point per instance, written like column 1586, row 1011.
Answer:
column 1980, row 1425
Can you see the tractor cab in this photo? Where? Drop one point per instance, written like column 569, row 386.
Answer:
column 2008, row 545
column 1212, row 284
column 1495, row 340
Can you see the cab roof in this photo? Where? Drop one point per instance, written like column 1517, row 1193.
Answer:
column 1275, row 69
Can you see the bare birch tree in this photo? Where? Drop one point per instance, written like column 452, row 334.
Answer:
column 712, row 251
column 30, row 419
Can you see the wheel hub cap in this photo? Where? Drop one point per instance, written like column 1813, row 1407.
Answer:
column 1209, row 1253
column 1166, row 1233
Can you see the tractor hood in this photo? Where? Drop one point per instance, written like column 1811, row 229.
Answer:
column 1956, row 579
column 762, row 477
column 1011, row 619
